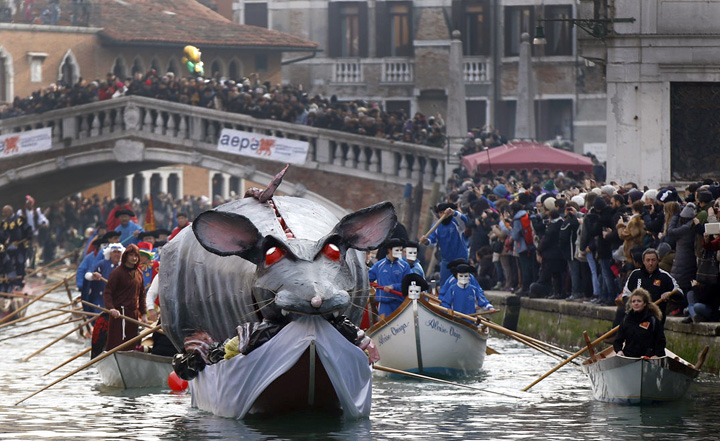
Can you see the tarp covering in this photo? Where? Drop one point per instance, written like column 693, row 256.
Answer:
column 528, row 156
column 230, row 388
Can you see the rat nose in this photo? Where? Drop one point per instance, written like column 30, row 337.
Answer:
column 316, row 301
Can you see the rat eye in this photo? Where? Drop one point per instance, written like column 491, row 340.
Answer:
column 332, row 252
column 272, row 255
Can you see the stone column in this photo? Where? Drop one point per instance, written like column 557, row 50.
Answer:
column 226, row 185
column 129, row 186
column 456, row 119
column 180, row 190
column 525, row 108
column 145, row 184
column 164, row 182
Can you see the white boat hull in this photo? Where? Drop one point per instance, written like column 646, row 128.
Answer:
column 131, row 369
column 307, row 365
column 630, row 380
column 417, row 338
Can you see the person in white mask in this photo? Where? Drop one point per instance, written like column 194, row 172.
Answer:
column 411, row 257
column 388, row 273
column 465, row 297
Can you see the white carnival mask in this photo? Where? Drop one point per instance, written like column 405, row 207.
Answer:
column 411, row 254
column 463, row 279
column 396, row 252
column 414, row 291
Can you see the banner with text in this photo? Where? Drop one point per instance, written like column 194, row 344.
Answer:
column 25, row 142
column 263, row 146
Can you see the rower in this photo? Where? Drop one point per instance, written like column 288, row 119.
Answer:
column 413, row 285
column 388, row 273
column 464, row 297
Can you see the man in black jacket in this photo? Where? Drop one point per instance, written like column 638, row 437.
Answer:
column 659, row 283
column 552, row 268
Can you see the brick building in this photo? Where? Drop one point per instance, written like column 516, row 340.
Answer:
column 89, row 39
column 396, row 53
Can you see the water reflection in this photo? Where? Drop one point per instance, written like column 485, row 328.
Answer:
column 559, row 408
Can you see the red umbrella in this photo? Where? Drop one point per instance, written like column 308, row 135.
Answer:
column 523, row 155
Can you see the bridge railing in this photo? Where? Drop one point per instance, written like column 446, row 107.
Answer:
column 194, row 127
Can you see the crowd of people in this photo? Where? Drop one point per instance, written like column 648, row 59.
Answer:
column 249, row 96
column 565, row 237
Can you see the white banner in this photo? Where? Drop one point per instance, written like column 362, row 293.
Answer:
column 25, row 142
column 262, row 146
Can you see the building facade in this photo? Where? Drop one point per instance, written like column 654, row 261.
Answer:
column 397, row 53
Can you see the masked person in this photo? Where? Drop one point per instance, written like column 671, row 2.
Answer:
column 411, row 257
column 449, row 236
column 388, row 273
column 413, row 285
column 464, row 297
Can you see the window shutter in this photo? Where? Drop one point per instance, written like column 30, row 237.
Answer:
column 333, row 43
column 363, row 24
column 382, row 28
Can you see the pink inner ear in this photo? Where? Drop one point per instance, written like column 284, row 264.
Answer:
column 368, row 230
column 224, row 233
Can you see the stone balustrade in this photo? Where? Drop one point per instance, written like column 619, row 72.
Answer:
column 476, row 70
column 199, row 129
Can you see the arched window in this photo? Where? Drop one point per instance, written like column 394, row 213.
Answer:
column 120, row 69
column 173, row 67
column 215, row 68
column 155, row 64
column 69, row 70
column 7, row 74
column 235, row 70
column 138, row 66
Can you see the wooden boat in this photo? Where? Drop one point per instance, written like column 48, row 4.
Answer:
column 424, row 338
column 132, row 369
column 630, row 380
column 307, row 365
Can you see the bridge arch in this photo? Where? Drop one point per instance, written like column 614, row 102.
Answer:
column 86, row 169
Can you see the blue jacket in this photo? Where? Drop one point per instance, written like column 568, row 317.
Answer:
column 85, row 266
column 387, row 273
column 126, row 233
column 453, row 281
column 465, row 300
column 451, row 238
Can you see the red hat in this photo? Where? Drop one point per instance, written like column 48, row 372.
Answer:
column 146, row 249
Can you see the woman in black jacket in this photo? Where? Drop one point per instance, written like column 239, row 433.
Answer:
column 641, row 333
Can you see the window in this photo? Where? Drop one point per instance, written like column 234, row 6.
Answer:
column 3, row 79
column 348, row 24
column 256, row 14
column 138, row 67
column 476, row 112
column 558, row 33
column 119, row 69
column 216, row 69
column 394, row 29
column 234, row 70
column 554, row 118
column 518, row 20
column 173, row 67
column 471, row 18
column 261, row 62
column 36, row 60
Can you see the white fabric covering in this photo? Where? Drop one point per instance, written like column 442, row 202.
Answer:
column 230, row 388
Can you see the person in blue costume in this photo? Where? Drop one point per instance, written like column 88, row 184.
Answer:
column 86, row 265
column 129, row 230
column 451, row 281
column 108, row 238
column 388, row 273
column 411, row 257
column 98, row 276
column 449, row 236
column 464, row 297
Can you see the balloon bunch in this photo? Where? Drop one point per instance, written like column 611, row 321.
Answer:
column 192, row 60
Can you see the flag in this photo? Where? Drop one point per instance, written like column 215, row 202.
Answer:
column 149, row 224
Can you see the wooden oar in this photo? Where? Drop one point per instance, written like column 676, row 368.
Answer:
column 40, row 268
column 423, row 377
column 37, row 298
column 131, row 320
column 84, row 351
column 86, row 322
column 435, row 225
column 64, row 322
column 100, row 357
column 39, row 320
column 589, row 345
column 578, row 353
column 535, row 341
column 22, row 319
column 25, row 296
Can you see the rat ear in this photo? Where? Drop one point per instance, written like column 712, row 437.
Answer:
column 228, row 234
column 368, row 228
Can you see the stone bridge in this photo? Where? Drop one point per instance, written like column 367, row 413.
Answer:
column 102, row 141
